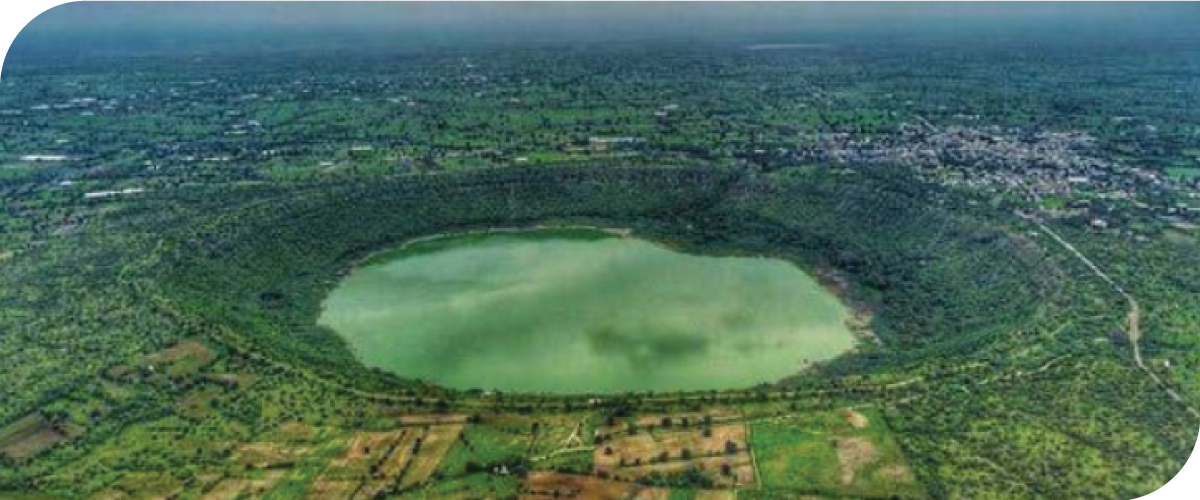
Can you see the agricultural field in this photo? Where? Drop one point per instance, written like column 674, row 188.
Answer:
column 253, row 484
column 547, row 485
column 833, row 454
column 984, row 232
column 718, row 454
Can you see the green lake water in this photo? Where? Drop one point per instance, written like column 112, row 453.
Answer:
column 574, row 311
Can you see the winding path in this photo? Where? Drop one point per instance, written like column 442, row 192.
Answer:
column 1133, row 319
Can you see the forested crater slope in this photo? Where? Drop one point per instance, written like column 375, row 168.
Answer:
column 928, row 273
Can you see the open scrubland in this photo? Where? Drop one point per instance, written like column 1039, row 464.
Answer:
column 1014, row 230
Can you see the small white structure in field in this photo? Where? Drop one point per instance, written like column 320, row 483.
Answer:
column 45, row 158
column 105, row 194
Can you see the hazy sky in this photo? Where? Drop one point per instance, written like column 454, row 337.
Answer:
column 124, row 14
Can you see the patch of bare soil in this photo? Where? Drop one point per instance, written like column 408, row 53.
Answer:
column 29, row 436
column 549, row 484
column 720, row 452
column 324, row 489
column 853, row 454
column 432, row 419
column 715, row 495
column 269, row 455
column 897, row 473
column 388, row 462
column 232, row 488
column 433, row 448
column 855, row 419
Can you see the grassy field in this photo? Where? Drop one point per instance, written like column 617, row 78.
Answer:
column 433, row 445
column 486, row 445
column 831, row 453
column 29, row 436
column 181, row 360
column 1183, row 172
column 251, row 484
column 297, row 481
column 473, row 486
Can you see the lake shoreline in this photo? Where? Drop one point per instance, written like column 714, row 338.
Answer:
column 618, row 232
column 627, row 310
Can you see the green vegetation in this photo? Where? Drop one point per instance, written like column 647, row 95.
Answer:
column 1014, row 230
column 1184, row 173
column 832, row 455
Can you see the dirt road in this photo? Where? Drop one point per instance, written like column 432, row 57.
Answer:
column 1133, row 319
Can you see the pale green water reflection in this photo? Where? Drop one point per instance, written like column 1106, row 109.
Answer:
column 572, row 311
